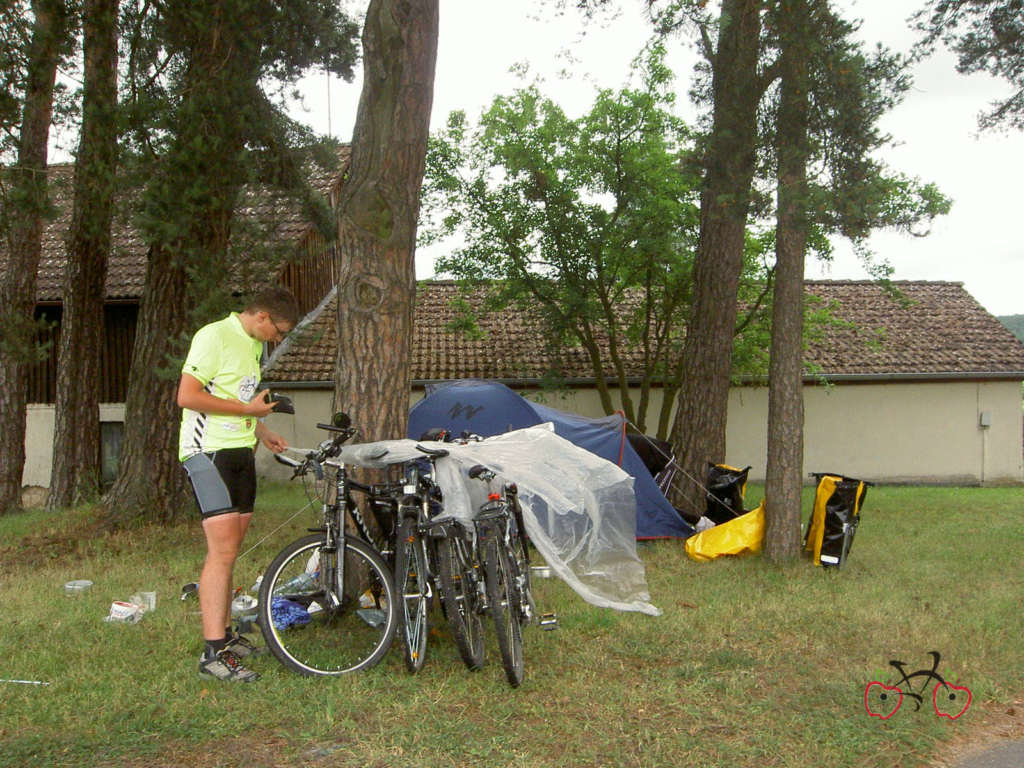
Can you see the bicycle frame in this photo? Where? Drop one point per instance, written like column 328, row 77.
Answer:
column 504, row 511
column 333, row 512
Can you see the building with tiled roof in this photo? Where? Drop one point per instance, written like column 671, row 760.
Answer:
column 923, row 385
column 266, row 217
column 303, row 262
column 929, row 330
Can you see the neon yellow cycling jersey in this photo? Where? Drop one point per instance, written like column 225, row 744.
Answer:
column 226, row 361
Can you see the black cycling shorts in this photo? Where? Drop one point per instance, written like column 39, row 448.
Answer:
column 223, row 481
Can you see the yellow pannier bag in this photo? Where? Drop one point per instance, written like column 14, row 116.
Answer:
column 738, row 536
column 834, row 518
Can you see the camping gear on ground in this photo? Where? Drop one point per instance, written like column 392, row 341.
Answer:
column 834, row 518
column 579, row 509
column 657, row 456
column 488, row 408
column 288, row 613
column 738, row 536
column 726, row 487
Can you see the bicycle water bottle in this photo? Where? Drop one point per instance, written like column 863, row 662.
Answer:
column 304, row 582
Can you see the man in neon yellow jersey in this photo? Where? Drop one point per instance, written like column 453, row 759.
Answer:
column 220, row 426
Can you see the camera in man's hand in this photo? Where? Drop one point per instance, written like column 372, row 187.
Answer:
column 283, row 402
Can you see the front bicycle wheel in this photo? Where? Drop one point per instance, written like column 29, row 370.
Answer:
column 315, row 627
column 412, row 584
column 503, row 601
column 459, row 598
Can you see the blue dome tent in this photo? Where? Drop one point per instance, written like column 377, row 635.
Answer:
column 489, row 408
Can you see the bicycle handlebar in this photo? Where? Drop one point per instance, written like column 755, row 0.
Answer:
column 436, row 453
column 343, row 429
column 287, row 460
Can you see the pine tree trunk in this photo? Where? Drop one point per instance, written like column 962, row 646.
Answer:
column 28, row 200
column 784, row 470
column 75, row 476
column 698, row 433
column 377, row 216
column 150, row 483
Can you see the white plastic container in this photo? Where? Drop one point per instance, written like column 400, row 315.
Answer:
column 243, row 606
column 145, row 600
column 77, row 587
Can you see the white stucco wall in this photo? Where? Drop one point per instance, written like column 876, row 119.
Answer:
column 39, row 440
column 919, row 432
column 924, row 432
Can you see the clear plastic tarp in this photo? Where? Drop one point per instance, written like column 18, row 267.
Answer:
column 578, row 508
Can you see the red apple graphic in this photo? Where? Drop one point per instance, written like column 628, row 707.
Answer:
column 888, row 700
column 951, row 700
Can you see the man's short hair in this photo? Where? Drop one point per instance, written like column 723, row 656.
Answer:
column 278, row 301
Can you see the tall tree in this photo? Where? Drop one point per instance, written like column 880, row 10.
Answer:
column 823, row 130
column 736, row 72
column 205, row 126
column 26, row 206
column 729, row 162
column 784, row 468
column 987, row 36
column 75, row 475
column 378, row 209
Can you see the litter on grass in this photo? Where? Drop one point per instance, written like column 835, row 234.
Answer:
column 122, row 612
column 77, row 586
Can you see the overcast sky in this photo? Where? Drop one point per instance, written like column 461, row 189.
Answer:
column 978, row 244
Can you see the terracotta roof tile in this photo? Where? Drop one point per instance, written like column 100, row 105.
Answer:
column 939, row 330
column 126, row 268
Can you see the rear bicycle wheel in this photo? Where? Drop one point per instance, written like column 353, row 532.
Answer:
column 520, row 567
column 412, row 584
column 313, row 627
column 459, row 598
column 504, row 605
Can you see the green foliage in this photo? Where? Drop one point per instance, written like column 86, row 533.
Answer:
column 207, row 127
column 1015, row 323
column 850, row 192
column 464, row 321
column 987, row 36
column 14, row 36
column 16, row 23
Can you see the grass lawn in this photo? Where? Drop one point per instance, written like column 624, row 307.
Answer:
column 750, row 665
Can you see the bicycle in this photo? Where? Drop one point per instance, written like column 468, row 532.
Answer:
column 462, row 589
column 506, row 559
column 415, row 560
column 322, row 614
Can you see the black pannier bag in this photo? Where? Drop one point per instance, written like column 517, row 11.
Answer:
column 725, row 488
column 834, row 518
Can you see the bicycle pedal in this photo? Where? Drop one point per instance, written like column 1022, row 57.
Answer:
column 548, row 622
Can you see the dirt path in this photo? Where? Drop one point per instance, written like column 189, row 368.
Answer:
column 996, row 725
